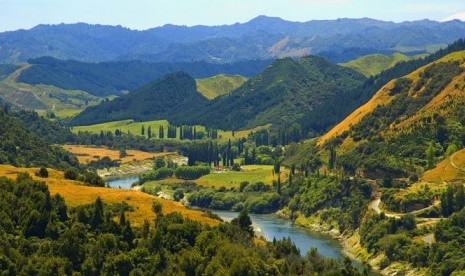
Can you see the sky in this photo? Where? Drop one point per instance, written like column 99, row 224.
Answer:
column 145, row 14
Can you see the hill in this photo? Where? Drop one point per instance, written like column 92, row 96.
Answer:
column 39, row 97
column 25, row 140
column 263, row 37
column 281, row 94
column 113, row 78
column 219, row 85
column 172, row 97
column 371, row 65
column 419, row 115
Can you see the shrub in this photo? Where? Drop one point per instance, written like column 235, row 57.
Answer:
column 71, row 174
column 192, row 172
column 43, row 172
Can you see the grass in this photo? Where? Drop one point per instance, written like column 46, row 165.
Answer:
column 445, row 171
column 232, row 179
column 135, row 128
column 219, row 85
column 87, row 154
column 45, row 98
column 76, row 194
column 371, row 65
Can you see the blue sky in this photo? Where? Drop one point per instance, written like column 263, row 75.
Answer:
column 144, row 14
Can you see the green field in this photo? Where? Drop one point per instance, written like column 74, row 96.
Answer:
column 219, row 85
column 45, row 98
column 227, row 179
column 232, row 179
column 371, row 65
column 136, row 127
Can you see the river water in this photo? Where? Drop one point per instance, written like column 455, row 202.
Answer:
column 271, row 226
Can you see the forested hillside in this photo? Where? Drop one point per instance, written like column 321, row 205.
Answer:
column 25, row 140
column 173, row 97
column 113, row 78
column 281, row 94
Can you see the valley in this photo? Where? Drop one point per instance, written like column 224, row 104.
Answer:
column 163, row 151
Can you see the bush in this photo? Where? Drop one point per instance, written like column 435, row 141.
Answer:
column 71, row 174
column 159, row 174
column 178, row 195
column 43, row 172
column 192, row 172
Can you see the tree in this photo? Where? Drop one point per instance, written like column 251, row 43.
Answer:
column 71, row 174
column 122, row 153
column 122, row 218
column 149, row 132
column 97, row 218
column 332, row 158
column 43, row 172
column 142, row 131
column 244, row 222
column 430, row 156
column 157, row 207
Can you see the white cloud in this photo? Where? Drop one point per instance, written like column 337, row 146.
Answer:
column 459, row 16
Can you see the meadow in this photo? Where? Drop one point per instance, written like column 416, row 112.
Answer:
column 87, row 154
column 135, row 128
column 76, row 194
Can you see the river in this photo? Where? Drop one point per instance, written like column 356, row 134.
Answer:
column 122, row 183
column 271, row 226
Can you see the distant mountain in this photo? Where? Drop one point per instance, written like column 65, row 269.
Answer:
column 171, row 97
column 261, row 38
column 112, row 78
column 280, row 95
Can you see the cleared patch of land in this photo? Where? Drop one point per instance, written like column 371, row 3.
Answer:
column 76, row 194
column 374, row 64
column 87, row 154
column 136, row 128
column 44, row 98
column 219, row 85
column 233, row 179
column 450, row 169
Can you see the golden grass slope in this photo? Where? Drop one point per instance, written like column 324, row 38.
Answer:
column 219, row 85
column 87, row 154
column 452, row 94
column 76, row 194
column 448, row 170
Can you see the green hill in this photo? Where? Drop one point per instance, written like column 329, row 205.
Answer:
column 372, row 65
column 26, row 138
column 219, row 85
column 172, row 98
column 39, row 97
column 113, row 78
column 281, row 94
column 419, row 115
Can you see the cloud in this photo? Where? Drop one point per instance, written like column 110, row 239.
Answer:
column 459, row 16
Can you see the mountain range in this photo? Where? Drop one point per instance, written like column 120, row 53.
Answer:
column 261, row 38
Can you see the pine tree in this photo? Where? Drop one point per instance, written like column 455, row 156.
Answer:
column 97, row 218
column 142, row 131
column 149, row 132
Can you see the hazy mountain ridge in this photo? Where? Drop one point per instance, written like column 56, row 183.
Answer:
column 227, row 43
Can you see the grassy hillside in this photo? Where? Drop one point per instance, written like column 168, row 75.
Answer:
column 371, row 65
column 419, row 113
column 76, row 194
column 42, row 98
column 219, row 85
column 136, row 127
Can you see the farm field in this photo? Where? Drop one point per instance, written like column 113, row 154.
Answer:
column 233, row 179
column 136, row 128
column 76, row 194
column 87, row 154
